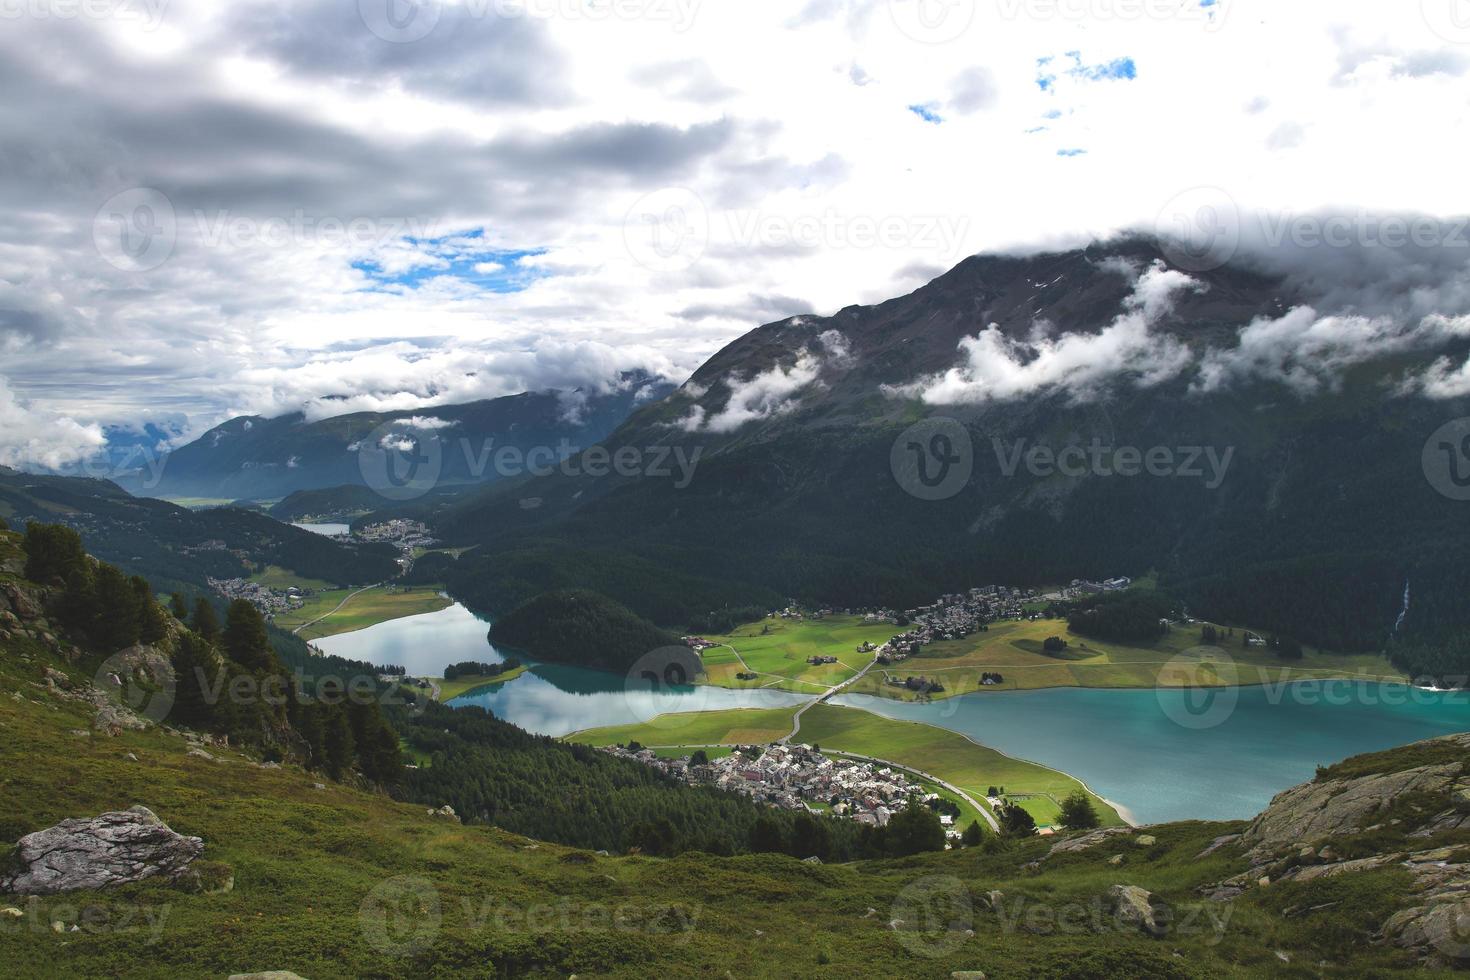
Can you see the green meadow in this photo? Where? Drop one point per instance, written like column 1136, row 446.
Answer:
column 1014, row 649
column 777, row 650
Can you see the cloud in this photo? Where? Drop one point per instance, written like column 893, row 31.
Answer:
column 1309, row 352
column 425, row 422
column 399, row 377
column 772, row 392
column 973, row 90
column 996, row 367
column 535, row 136
column 31, row 438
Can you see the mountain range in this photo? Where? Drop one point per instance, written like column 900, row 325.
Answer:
column 1267, row 476
column 251, row 457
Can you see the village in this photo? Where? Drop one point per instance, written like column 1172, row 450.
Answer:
column 270, row 601
column 796, row 777
column 408, row 536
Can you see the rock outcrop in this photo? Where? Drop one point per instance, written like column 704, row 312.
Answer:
column 1400, row 813
column 1133, row 906
column 1087, row 841
column 1338, row 807
column 110, row 849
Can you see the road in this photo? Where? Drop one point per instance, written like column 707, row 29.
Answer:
column 796, row 718
column 345, row 600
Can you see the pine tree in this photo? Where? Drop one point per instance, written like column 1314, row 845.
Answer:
column 1016, row 822
column 914, row 829
column 152, row 622
column 337, row 742
column 973, row 834
column 115, row 612
column 245, row 638
column 195, row 672
column 178, row 607
column 206, row 623
column 1078, row 812
column 54, row 551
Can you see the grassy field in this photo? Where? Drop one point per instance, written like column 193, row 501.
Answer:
column 954, row 758
column 199, row 503
column 276, row 577
column 1014, row 649
column 461, row 685
column 367, row 608
column 736, row 726
column 777, row 650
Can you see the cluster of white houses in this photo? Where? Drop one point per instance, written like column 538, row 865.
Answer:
column 797, row 777
column 269, row 601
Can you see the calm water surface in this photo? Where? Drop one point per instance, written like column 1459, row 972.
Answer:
column 330, row 530
column 550, row 699
column 1175, row 755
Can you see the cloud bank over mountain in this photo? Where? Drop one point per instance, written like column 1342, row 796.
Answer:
column 268, row 206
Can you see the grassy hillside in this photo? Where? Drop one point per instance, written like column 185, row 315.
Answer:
column 315, row 870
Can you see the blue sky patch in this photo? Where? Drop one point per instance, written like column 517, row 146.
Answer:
column 1124, row 69
column 1071, row 152
column 466, row 257
column 927, row 112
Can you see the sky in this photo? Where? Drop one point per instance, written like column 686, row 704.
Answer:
column 212, row 209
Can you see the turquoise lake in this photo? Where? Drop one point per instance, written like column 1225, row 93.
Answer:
column 1162, row 755
column 1131, row 747
column 549, row 699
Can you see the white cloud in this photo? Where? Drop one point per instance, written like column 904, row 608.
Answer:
column 1309, row 352
column 994, row 366
column 34, row 438
column 772, row 392
column 426, row 422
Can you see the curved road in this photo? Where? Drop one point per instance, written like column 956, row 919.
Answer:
column 345, row 600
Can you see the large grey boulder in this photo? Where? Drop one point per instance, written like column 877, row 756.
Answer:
column 94, row 852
